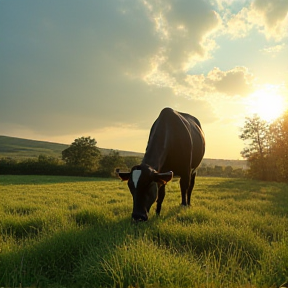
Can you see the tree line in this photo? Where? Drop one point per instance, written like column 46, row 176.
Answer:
column 266, row 148
column 81, row 158
column 221, row 171
column 266, row 151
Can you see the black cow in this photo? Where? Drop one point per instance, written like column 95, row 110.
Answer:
column 176, row 143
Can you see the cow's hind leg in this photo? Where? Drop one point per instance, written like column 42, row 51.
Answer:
column 184, row 184
column 190, row 188
column 161, row 195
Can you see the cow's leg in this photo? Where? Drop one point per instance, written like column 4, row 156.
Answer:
column 161, row 195
column 184, row 184
column 191, row 186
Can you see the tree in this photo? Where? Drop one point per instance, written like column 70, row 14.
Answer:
column 257, row 132
column 279, row 129
column 218, row 170
column 228, row 171
column 109, row 163
column 82, row 153
column 49, row 160
column 267, row 151
column 131, row 161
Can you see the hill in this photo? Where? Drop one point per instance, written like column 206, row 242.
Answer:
column 20, row 148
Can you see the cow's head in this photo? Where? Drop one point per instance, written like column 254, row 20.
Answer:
column 143, row 182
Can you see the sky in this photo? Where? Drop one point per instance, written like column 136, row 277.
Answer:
column 106, row 69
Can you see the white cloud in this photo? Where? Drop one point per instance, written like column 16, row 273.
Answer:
column 273, row 50
column 184, row 28
column 270, row 18
column 237, row 25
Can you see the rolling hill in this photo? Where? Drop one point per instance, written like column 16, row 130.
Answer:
column 19, row 148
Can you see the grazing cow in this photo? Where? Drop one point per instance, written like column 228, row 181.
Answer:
column 176, row 143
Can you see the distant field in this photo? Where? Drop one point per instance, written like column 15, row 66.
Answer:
column 19, row 148
column 77, row 232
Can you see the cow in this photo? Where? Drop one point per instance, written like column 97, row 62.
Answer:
column 176, row 145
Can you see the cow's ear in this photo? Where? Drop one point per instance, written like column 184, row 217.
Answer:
column 163, row 177
column 123, row 175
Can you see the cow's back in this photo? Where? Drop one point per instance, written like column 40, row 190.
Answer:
column 176, row 142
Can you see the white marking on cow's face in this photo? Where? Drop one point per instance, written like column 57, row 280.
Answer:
column 135, row 177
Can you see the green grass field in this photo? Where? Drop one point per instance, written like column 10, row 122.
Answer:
column 77, row 232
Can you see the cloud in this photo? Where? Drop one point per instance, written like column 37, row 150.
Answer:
column 237, row 81
column 223, row 4
column 273, row 50
column 184, row 28
column 112, row 63
column 236, row 25
column 273, row 17
column 67, row 76
column 270, row 18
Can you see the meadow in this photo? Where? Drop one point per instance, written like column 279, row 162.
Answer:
column 77, row 232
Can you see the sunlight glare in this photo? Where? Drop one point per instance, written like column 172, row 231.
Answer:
column 267, row 103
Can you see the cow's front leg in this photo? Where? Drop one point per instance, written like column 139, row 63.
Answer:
column 161, row 196
column 184, row 184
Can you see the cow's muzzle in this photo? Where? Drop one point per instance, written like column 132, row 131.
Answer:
column 139, row 217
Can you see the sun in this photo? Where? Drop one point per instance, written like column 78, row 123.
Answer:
column 267, row 103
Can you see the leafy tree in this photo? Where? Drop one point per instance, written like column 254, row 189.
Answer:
column 257, row 132
column 82, row 153
column 218, row 170
column 48, row 160
column 267, row 151
column 109, row 163
column 228, row 171
column 279, row 129
column 131, row 161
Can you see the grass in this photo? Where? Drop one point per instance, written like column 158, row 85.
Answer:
column 77, row 232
